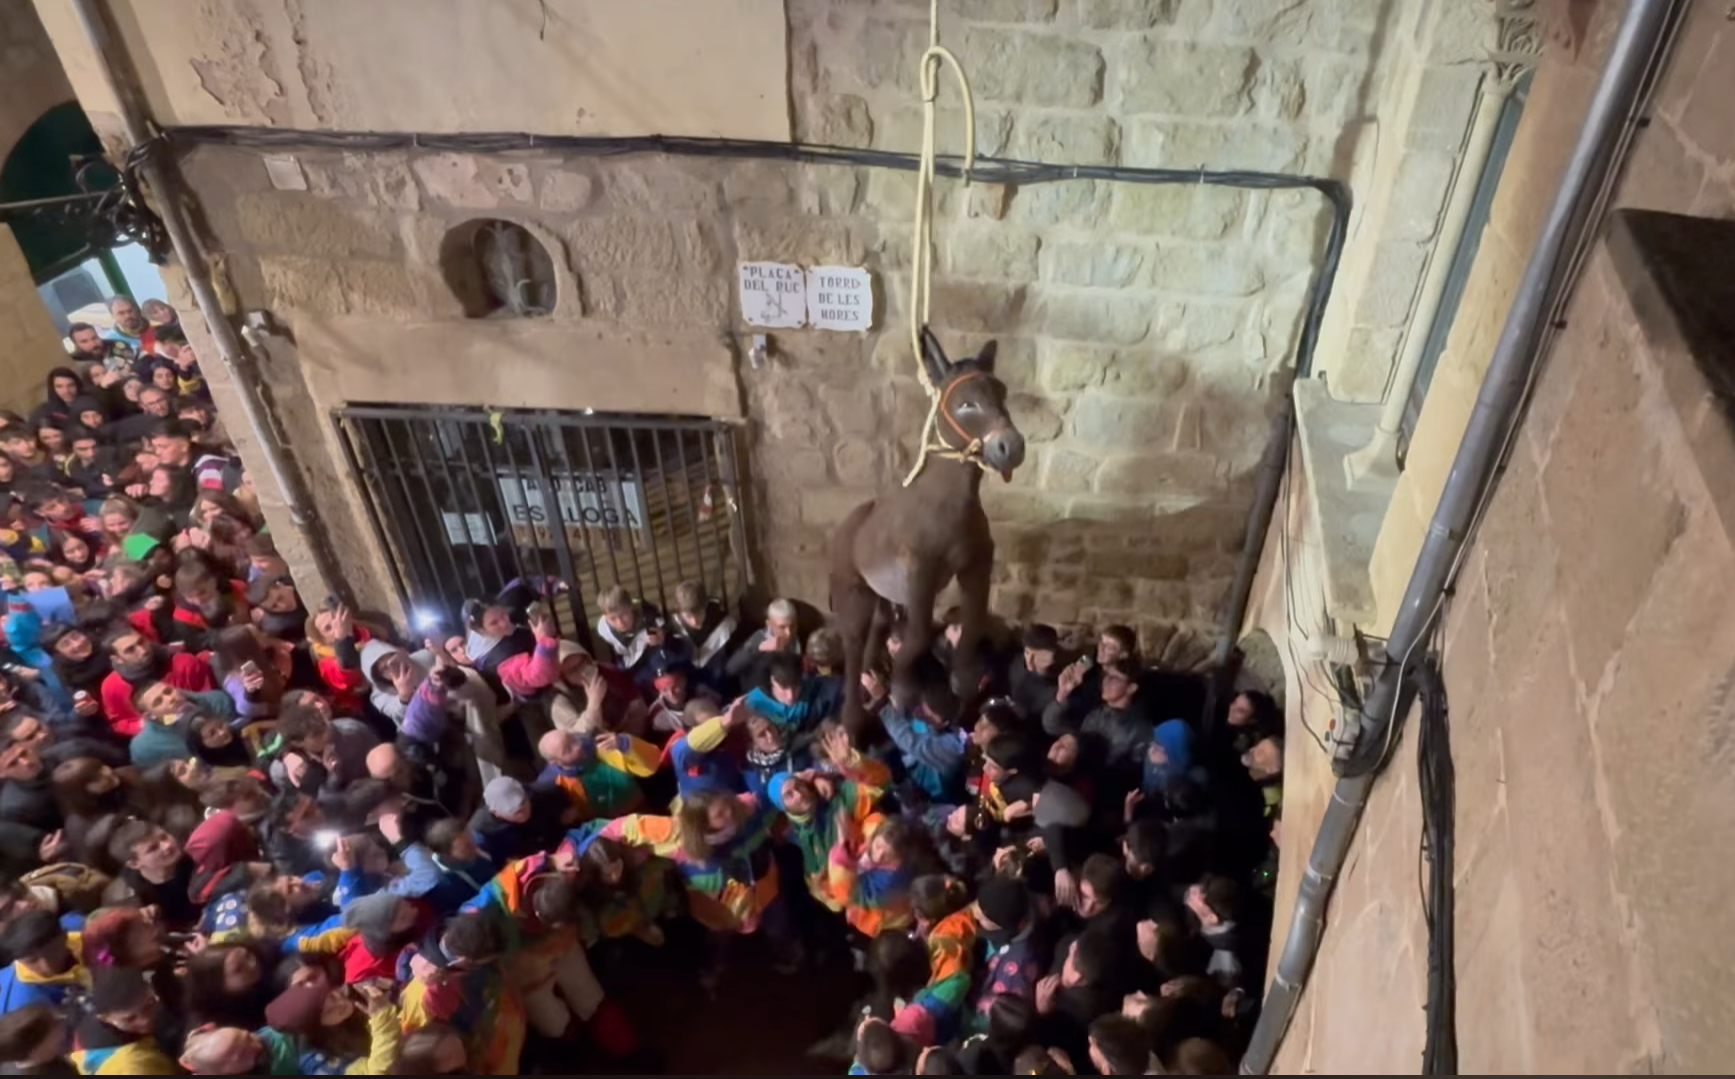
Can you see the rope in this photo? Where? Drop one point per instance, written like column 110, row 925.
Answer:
column 922, row 269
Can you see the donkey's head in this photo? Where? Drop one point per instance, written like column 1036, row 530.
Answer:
column 972, row 417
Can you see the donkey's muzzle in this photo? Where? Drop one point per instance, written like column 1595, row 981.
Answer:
column 1004, row 451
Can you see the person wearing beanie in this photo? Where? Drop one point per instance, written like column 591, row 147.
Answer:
column 1036, row 679
column 115, row 1036
column 514, row 822
column 1016, row 947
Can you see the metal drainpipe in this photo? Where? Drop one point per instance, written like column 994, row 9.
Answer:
column 164, row 178
column 1621, row 94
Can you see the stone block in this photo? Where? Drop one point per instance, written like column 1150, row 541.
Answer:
column 1067, row 472
column 1085, row 315
column 1067, row 367
column 346, row 287
column 1006, row 10
column 1007, row 503
column 994, row 252
column 1280, row 87
column 1391, row 285
column 1266, row 20
column 1187, row 144
column 1067, row 140
column 886, row 53
column 316, row 228
column 1147, row 373
column 1126, row 14
column 1207, row 269
column 842, row 120
column 1419, row 195
column 662, row 187
column 472, row 182
column 1039, row 418
column 566, row 192
column 899, row 129
column 602, row 246
column 807, row 241
column 1095, row 264
column 1445, row 100
column 893, row 195
column 1110, row 421
column 1188, row 211
column 831, row 190
column 1031, row 69
column 1180, row 78
column 1078, row 204
column 857, row 463
column 988, row 201
column 977, row 306
column 851, row 411
column 1153, row 473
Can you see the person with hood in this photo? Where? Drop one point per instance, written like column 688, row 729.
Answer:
column 60, row 388
column 24, row 637
column 419, row 691
column 1168, row 761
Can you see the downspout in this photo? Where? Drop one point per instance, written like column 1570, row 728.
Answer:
column 1622, row 94
column 164, row 178
column 1379, row 458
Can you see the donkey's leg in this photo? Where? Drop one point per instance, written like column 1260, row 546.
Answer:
column 973, row 604
column 918, row 634
column 853, row 609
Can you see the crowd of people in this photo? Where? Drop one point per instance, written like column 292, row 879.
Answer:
column 240, row 834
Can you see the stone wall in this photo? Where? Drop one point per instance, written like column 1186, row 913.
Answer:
column 1583, row 661
column 1143, row 330
column 31, row 83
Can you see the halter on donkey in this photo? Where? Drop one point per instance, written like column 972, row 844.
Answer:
column 907, row 545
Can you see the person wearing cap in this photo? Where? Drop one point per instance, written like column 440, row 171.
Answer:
column 514, row 821
column 1015, row 943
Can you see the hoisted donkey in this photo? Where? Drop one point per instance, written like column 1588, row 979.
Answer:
column 905, row 546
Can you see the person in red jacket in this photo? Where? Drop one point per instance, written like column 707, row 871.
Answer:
column 137, row 660
column 334, row 641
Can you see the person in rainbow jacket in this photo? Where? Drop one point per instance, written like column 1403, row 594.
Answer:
column 721, row 845
column 829, row 809
column 947, row 928
column 535, row 903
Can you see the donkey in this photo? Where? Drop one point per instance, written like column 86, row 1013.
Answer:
column 905, row 546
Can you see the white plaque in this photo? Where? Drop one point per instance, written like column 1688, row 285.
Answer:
column 840, row 298
column 773, row 295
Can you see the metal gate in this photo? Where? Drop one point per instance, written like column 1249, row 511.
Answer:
column 464, row 500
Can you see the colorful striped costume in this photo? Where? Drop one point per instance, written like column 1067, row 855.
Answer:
column 604, row 786
column 727, row 891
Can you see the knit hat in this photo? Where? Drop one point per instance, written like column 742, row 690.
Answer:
column 138, row 546
column 1004, row 901
column 372, row 915
column 774, row 790
column 297, row 1010
column 505, row 796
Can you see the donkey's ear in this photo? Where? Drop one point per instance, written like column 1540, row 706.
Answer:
column 985, row 358
column 934, row 359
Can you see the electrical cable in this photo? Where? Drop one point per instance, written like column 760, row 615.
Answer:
column 1436, row 786
column 987, row 170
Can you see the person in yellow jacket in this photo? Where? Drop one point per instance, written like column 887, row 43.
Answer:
column 115, row 1037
